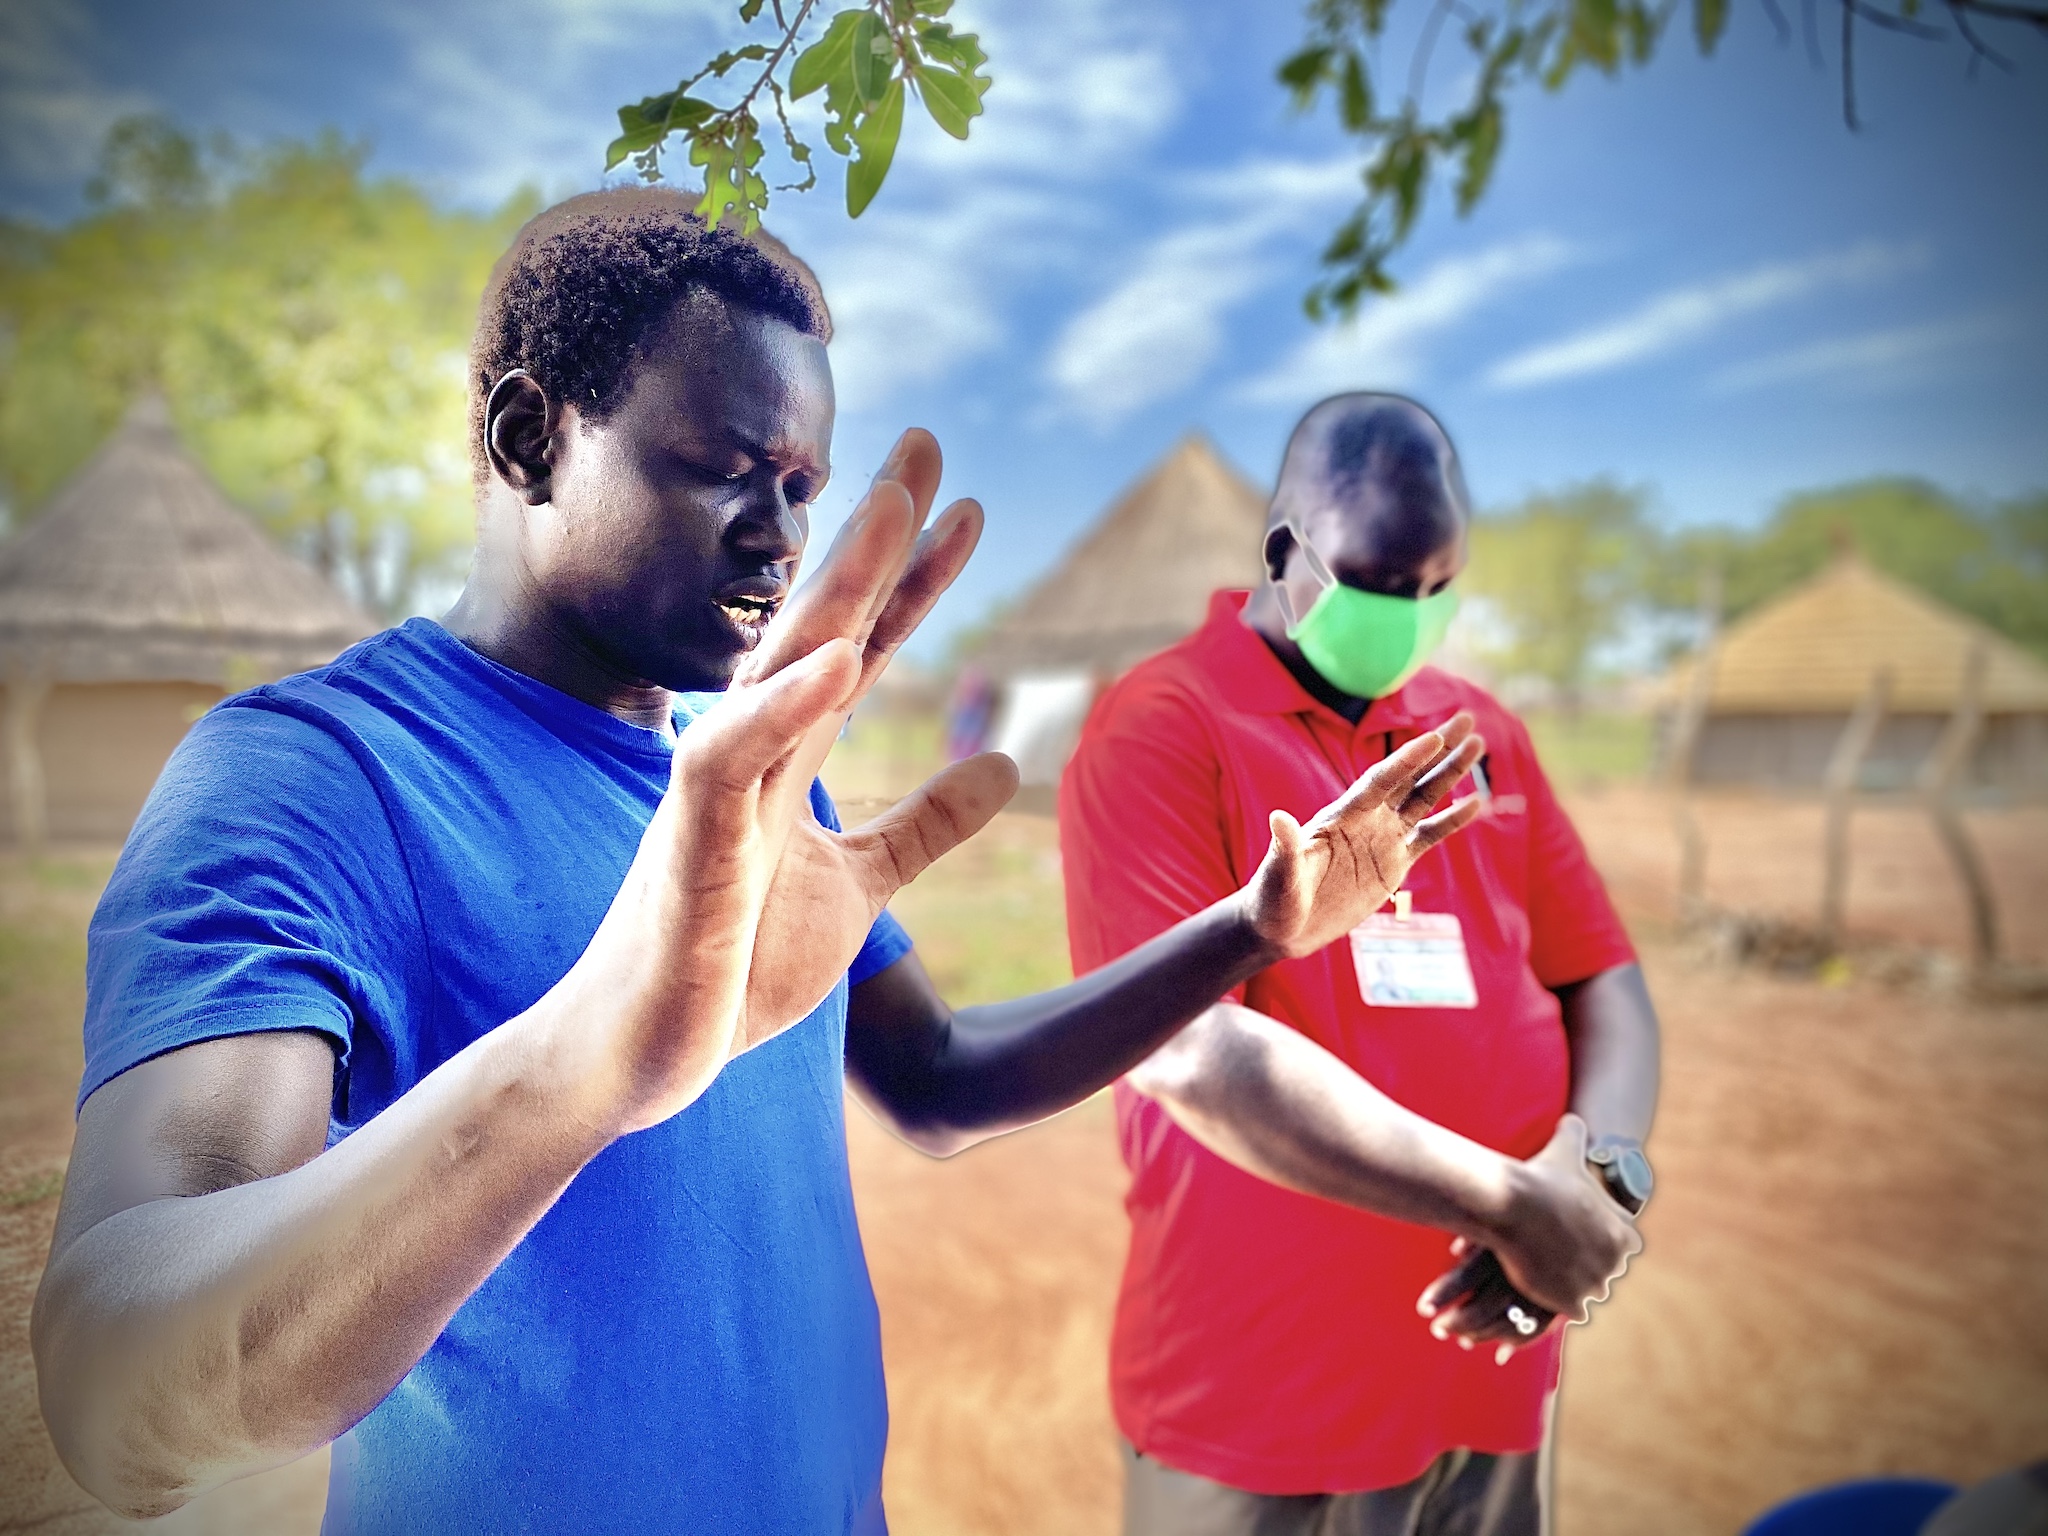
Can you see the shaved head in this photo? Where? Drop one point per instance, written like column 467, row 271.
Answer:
column 1379, row 459
column 1371, row 483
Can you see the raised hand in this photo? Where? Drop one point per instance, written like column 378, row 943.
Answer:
column 877, row 583
column 1561, row 1246
column 740, row 912
column 1318, row 882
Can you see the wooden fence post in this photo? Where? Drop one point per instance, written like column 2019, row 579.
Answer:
column 27, row 687
column 1939, row 775
column 1845, row 768
column 1684, row 747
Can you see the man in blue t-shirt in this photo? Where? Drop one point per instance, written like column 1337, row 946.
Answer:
column 468, row 1020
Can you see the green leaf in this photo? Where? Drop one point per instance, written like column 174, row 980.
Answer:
column 962, row 50
column 826, row 57
column 876, row 139
column 723, row 64
column 931, row 7
column 1357, row 94
column 1305, row 71
column 873, row 56
column 950, row 98
column 749, row 9
column 1482, row 148
column 1709, row 20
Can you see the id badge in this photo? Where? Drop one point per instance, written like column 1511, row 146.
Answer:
column 1413, row 961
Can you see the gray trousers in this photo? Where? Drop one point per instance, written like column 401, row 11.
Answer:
column 1461, row 1493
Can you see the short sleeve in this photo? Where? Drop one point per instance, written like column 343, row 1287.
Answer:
column 1143, row 840
column 262, row 888
column 1574, row 931
column 886, row 942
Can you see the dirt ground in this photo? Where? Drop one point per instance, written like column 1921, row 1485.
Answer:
column 1845, row 1263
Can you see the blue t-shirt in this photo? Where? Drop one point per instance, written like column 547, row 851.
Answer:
column 403, row 850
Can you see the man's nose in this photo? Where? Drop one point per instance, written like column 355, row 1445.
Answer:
column 767, row 529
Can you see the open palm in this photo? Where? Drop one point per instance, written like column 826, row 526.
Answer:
column 1318, row 882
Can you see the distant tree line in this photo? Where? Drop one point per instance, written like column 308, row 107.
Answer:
column 1568, row 575
column 307, row 324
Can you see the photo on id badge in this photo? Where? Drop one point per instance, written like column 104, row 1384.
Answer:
column 1410, row 959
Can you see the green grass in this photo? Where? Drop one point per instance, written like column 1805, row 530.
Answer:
column 989, row 918
column 1593, row 748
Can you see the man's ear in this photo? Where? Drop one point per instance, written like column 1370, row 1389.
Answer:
column 520, row 425
column 1278, row 546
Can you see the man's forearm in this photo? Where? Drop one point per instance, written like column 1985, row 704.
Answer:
column 181, row 1343
column 1612, row 1027
column 1274, row 1103
column 992, row 1068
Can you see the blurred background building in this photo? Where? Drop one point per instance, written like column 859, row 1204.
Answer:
column 1788, row 679
column 1136, row 581
column 137, row 599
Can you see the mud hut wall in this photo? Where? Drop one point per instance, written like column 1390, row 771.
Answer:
column 1790, row 752
column 102, row 747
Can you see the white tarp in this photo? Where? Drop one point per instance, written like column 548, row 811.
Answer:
column 1040, row 720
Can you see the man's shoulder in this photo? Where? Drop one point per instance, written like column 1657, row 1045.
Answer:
column 383, row 668
column 1165, row 694
column 1433, row 692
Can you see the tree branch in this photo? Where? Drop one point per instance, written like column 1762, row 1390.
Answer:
column 2037, row 18
column 775, row 58
column 1779, row 23
column 1979, row 49
column 1849, row 65
column 1891, row 23
column 1425, row 48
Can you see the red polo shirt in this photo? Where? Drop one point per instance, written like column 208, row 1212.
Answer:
column 1266, row 1339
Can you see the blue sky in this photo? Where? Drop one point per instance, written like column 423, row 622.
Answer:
column 1692, row 279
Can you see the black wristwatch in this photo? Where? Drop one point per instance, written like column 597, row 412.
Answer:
column 1618, row 1163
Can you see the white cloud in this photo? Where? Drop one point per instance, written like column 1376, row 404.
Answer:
column 920, row 285
column 1158, row 329
column 1683, row 315
column 454, row 59
column 1870, row 360
column 1381, row 348
column 916, row 294
column 53, row 112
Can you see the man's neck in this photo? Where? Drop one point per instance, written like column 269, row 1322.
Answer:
column 506, row 621
column 1262, row 616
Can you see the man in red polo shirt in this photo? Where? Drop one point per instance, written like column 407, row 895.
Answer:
column 1299, row 1347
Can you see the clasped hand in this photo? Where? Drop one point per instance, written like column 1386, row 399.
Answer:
column 1562, row 1244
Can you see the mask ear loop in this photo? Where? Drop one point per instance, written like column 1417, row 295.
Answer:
column 1325, row 577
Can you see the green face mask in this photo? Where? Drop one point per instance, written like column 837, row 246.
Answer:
column 1366, row 643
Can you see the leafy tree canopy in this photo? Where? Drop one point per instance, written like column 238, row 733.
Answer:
column 307, row 324
column 870, row 57
column 1563, row 575
column 1988, row 561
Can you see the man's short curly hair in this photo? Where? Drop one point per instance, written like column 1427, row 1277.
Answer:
column 585, row 281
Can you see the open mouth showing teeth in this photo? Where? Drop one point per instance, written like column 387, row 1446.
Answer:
column 748, row 612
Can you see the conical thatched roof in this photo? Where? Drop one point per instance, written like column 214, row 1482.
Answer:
column 1813, row 651
column 1140, row 578
column 141, row 569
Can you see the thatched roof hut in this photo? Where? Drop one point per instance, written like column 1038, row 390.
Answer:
column 1786, row 679
column 139, row 597
column 1141, row 576
column 1138, row 580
